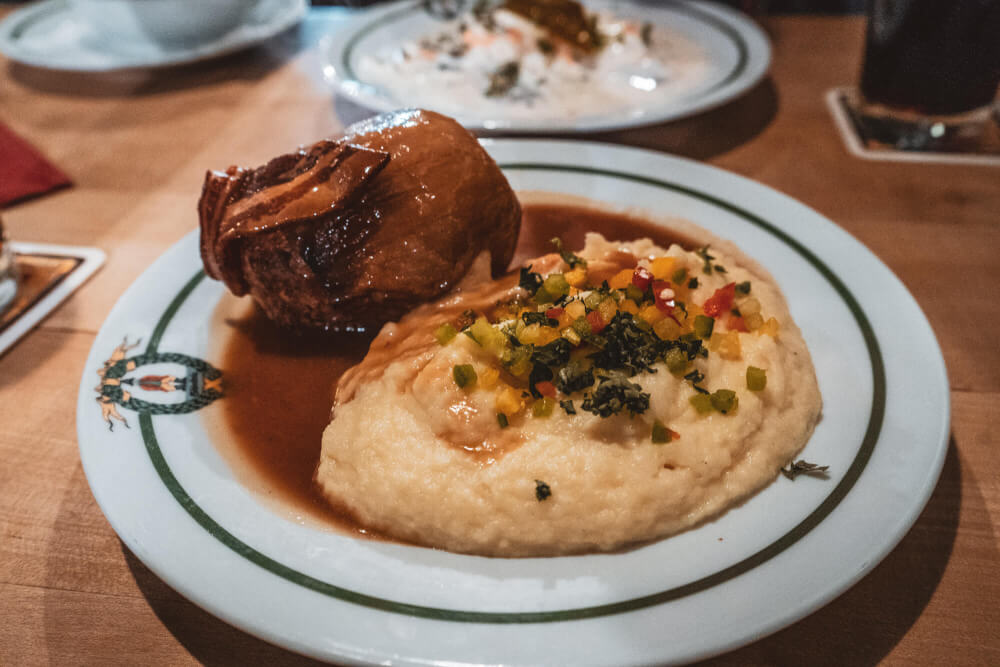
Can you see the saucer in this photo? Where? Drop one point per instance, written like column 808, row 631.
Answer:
column 49, row 34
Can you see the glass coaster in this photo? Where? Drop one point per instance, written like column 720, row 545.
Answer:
column 861, row 137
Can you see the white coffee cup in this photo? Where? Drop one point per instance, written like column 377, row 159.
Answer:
column 170, row 23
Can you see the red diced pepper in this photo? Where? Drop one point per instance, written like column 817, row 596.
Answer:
column 721, row 301
column 554, row 313
column 665, row 305
column 546, row 388
column 736, row 323
column 597, row 322
column 642, row 277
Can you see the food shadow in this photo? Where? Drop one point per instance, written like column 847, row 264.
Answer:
column 862, row 626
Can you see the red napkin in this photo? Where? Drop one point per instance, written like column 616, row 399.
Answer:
column 24, row 172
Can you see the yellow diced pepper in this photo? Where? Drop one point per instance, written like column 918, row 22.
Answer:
column 576, row 277
column 607, row 309
column 651, row 314
column 629, row 306
column 576, row 309
column 753, row 322
column 749, row 306
column 667, row 329
column 509, row 401
column 662, row 268
column 770, row 328
column 488, row 377
column 726, row 345
column 622, row 279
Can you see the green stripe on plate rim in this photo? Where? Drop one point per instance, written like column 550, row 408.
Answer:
column 690, row 9
column 743, row 566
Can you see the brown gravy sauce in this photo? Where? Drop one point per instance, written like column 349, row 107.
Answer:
column 280, row 385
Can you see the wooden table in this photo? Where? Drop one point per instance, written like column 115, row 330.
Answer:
column 137, row 147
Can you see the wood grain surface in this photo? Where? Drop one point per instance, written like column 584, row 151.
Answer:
column 137, row 146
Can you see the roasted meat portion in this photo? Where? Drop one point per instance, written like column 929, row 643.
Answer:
column 351, row 233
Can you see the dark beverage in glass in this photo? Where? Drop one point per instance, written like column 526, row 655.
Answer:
column 932, row 57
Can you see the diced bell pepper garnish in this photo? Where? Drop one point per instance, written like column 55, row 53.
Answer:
column 556, row 285
column 676, row 360
column 703, row 326
column 445, row 333
column 725, row 400
column 607, row 309
column 576, row 277
column 756, row 378
column 508, row 400
column 770, row 328
column 660, row 434
column 464, row 375
column 641, row 277
column 662, row 268
column 621, row 280
column 667, row 329
column 595, row 321
column 721, row 301
column 543, row 407
column 726, row 345
column 546, row 388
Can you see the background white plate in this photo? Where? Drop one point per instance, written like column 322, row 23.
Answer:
column 738, row 51
column 784, row 553
column 50, row 34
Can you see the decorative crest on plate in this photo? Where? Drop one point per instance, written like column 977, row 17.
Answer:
column 157, row 392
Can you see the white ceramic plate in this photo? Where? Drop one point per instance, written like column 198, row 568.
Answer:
column 792, row 548
column 737, row 51
column 50, row 34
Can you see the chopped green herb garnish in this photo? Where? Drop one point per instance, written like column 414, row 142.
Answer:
column 530, row 282
column 534, row 317
column 646, row 33
column 614, row 394
column 570, row 258
column 503, row 80
column 634, row 293
column 545, row 46
column 693, row 283
column 802, row 467
column 574, row 377
column 756, row 378
column 743, row 287
column 679, row 276
column 706, row 260
column 464, row 374
column 445, row 333
column 661, row 434
column 568, row 407
column 542, row 490
column 695, row 376
column 502, row 420
column 629, row 347
column 555, row 353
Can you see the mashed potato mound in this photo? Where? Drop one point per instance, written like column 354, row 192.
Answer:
column 479, row 444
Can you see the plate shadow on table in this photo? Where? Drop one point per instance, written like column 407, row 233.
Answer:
column 249, row 64
column 863, row 625
column 700, row 137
